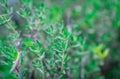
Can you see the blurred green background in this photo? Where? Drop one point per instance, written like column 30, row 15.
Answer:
column 60, row 39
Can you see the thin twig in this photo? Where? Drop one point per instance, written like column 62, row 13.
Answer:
column 18, row 74
column 82, row 67
column 15, row 63
column 66, row 19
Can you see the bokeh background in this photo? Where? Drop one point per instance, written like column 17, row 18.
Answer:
column 60, row 39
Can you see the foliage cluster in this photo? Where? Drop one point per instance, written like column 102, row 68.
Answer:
column 59, row 39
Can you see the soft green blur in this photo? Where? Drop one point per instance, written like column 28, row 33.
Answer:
column 60, row 39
